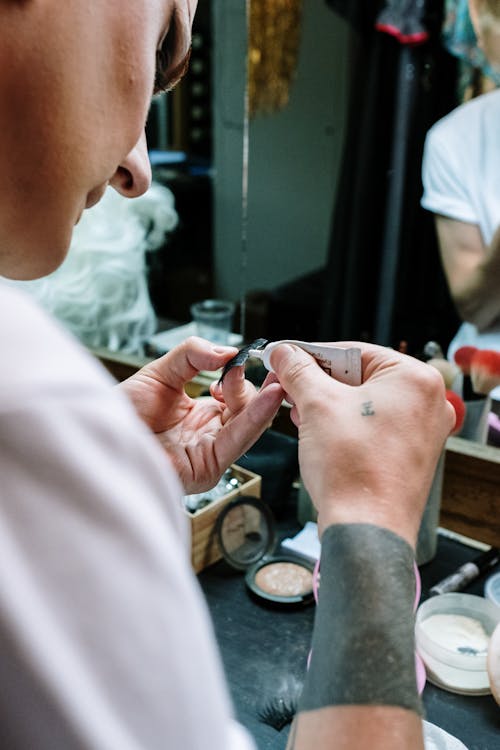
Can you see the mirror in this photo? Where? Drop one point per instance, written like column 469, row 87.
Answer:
column 318, row 176
column 294, row 155
column 462, row 192
column 310, row 212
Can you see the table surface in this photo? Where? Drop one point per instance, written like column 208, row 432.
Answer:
column 264, row 651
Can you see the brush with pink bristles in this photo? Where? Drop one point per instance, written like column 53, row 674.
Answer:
column 485, row 371
column 463, row 357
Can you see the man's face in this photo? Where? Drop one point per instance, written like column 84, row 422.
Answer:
column 76, row 80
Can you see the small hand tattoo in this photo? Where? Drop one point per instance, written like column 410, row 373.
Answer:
column 367, row 410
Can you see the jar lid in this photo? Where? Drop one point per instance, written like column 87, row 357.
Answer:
column 245, row 532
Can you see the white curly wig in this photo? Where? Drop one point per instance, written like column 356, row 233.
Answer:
column 100, row 291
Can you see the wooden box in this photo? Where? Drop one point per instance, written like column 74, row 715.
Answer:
column 470, row 501
column 205, row 549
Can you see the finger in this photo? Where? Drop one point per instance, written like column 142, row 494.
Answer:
column 216, row 391
column 271, row 377
column 216, row 388
column 233, row 388
column 294, row 416
column 299, row 374
column 247, row 426
column 181, row 364
column 237, row 391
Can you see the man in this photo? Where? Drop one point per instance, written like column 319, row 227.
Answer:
column 462, row 189
column 105, row 639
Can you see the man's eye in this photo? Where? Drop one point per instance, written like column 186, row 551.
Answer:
column 168, row 75
column 162, row 81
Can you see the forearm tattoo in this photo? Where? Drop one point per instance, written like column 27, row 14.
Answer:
column 363, row 639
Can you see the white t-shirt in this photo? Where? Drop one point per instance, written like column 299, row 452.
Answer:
column 105, row 639
column 461, row 176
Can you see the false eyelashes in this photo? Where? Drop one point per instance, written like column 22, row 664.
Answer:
column 242, row 356
column 278, row 712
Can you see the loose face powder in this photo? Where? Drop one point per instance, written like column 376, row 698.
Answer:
column 284, row 579
column 464, row 635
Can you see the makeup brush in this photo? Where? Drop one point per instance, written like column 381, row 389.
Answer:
column 448, row 370
column 460, row 410
column 485, row 371
column 432, row 350
column 463, row 357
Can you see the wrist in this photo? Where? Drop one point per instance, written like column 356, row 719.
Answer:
column 382, row 513
column 363, row 641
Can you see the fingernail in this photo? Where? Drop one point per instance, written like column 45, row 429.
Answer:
column 223, row 349
column 289, row 347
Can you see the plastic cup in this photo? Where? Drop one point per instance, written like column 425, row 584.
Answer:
column 213, row 318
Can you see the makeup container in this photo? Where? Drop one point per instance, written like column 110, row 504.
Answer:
column 493, row 664
column 245, row 534
column 213, row 318
column 203, row 522
column 475, row 426
column 428, row 531
column 492, row 589
column 452, row 635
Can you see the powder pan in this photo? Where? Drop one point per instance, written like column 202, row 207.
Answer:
column 245, row 533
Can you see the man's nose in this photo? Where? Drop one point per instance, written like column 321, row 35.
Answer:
column 133, row 177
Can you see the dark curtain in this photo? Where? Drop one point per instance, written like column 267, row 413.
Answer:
column 383, row 280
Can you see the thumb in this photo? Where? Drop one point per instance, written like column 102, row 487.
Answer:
column 297, row 371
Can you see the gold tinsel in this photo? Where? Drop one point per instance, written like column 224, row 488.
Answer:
column 273, row 45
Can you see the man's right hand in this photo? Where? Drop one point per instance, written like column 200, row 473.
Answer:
column 367, row 453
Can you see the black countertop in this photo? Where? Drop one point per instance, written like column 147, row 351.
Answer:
column 264, row 651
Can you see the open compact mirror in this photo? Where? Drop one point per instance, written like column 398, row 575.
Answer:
column 245, row 533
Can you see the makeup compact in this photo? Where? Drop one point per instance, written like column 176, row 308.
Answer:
column 452, row 635
column 245, row 534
